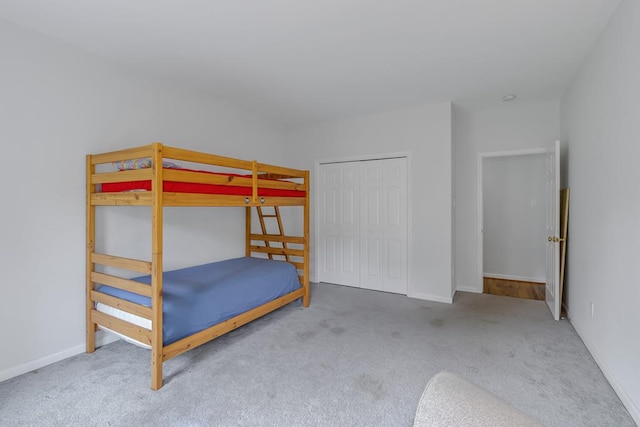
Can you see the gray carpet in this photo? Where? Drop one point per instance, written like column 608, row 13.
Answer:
column 354, row 358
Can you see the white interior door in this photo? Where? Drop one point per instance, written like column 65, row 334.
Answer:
column 364, row 224
column 339, row 224
column 553, row 297
column 383, row 226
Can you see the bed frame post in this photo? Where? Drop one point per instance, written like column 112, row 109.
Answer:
column 305, row 299
column 247, row 216
column 156, row 267
column 91, row 234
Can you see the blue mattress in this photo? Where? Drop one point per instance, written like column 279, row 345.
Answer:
column 196, row 298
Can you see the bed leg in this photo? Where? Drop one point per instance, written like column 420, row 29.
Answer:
column 156, row 370
column 91, row 337
column 305, row 298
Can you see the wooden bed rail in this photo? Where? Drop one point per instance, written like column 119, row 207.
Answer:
column 125, row 328
column 239, row 181
column 121, row 263
column 204, row 158
column 173, row 153
column 122, row 304
column 119, row 155
column 277, row 251
column 277, row 238
column 229, row 162
column 122, row 176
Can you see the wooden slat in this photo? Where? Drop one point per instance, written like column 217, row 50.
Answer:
column 122, row 176
column 215, row 331
column 120, row 283
column 209, row 159
column 277, row 251
column 131, row 198
column 278, row 238
column 280, row 185
column 206, row 178
column 279, row 170
column 125, row 328
column 143, row 198
column 190, row 199
column 121, row 263
column 126, row 154
column 121, row 304
column 179, row 175
column 298, row 265
column 276, row 176
column 281, row 201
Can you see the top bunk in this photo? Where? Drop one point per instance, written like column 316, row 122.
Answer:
column 207, row 180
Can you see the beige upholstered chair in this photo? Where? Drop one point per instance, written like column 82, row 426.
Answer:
column 449, row 400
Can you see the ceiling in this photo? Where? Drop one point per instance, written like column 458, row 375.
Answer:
column 300, row 61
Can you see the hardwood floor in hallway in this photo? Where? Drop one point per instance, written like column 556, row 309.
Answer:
column 514, row 288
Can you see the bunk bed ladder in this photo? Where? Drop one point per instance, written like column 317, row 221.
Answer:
column 276, row 216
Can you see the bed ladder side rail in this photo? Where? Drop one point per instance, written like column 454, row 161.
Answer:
column 280, row 232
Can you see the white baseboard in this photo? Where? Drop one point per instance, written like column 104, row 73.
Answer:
column 519, row 278
column 430, row 297
column 472, row 289
column 633, row 409
column 101, row 339
column 104, row 338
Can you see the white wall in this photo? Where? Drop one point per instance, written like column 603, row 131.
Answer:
column 600, row 123
column 57, row 105
column 514, row 216
column 516, row 126
column 426, row 133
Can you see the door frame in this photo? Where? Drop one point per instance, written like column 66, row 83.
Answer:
column 315, row 276
column 480, row 223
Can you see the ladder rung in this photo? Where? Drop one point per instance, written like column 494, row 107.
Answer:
column 269, row 216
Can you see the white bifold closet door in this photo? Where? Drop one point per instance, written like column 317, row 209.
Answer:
column 363, row 224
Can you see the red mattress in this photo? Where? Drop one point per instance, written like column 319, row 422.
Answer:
column 188, row 187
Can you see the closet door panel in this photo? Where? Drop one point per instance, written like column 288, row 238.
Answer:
column 339, row 221
column 371, row 235
column 394, row 226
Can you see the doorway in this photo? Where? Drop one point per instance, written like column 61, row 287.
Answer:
column 514, row 199
column 518, row 219
column 363, row 223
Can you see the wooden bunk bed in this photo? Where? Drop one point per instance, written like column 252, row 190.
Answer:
column 256, row 185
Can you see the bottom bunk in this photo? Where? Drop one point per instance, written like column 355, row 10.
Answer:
column 196, row 298
column 199, row 303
